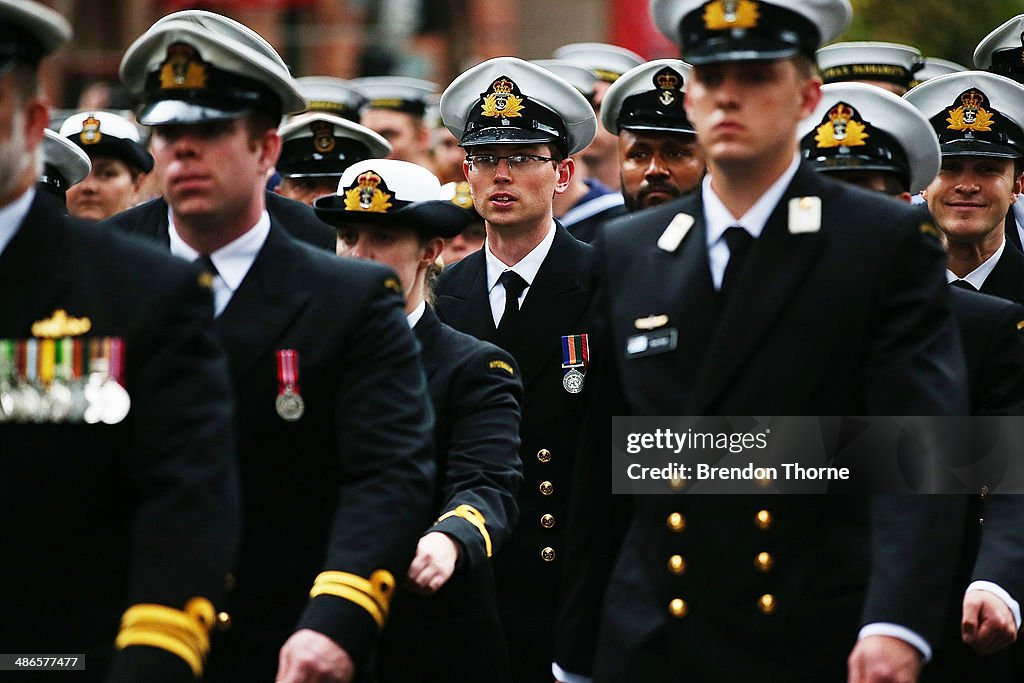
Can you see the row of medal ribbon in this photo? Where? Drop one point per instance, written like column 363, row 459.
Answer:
column 71, row 379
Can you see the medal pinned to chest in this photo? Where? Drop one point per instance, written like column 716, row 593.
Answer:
column 575, row 360
column 289, row 404
column 60, row 376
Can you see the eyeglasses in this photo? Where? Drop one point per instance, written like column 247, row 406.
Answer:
column 488, row 163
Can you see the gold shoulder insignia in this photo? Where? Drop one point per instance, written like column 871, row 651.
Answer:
column 927, row 228
column 394, row 285
column 1020, row 325
column 59, row 325
column 502, row 365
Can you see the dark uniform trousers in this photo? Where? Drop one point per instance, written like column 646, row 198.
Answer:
column 850, row 318
column 455, row 634
column 528, row 569
column 346, row 487
column 98, row 518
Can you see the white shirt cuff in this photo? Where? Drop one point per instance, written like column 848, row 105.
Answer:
column 1000, row 593
column 566, row 677
column 882, row 628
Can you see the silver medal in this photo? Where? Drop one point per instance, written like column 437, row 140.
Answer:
column 573, row 381
column 290, row 405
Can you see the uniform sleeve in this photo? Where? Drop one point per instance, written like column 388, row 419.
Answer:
column 915, row 364
column 384, row 423
column 180, row 472
column 482, row 467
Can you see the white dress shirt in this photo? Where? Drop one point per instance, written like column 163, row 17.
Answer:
column 977, row 276
column 232, row 261
column 13, row 215
column 718, row 219
column 416, row 314
column 527, row 269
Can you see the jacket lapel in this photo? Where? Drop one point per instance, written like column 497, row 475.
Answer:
column 466, row 306
column 264, row 305
column 428, row 331
column 775, row 269
column 553, row 306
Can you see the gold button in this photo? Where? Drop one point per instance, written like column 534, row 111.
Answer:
column 766, row 604
column 229, row 582
column 223, row 621
column 763, row 520
column 544, row 455
column 547, row 521
column 676, row 564
column 547, row 554
column 676, row 522
column 678, row 608
column 546, row 488
column 764, row 562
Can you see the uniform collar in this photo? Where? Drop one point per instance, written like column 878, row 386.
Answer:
column 527, row 268
column 718, row 219
column 416, row 314
column 978, row 276
column 235, row 258
column 13, row 215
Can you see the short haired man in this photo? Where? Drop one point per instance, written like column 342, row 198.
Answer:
column 771, row 289
column 119, row 163
column 332, row 421
column 396, row 109
column 527, row 291
column 978, row 117
column 659, row 157
column 118, row 484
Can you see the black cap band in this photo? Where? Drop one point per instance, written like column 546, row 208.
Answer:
column 886, row 73
column 759, row 31
column 415, row 107
column 301, row 158
column 881, row 152
column 970, row 126
column 1009, row 63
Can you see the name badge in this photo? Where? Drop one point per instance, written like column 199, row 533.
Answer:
column 652, row 343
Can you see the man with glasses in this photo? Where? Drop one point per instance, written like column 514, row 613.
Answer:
column 527, row 290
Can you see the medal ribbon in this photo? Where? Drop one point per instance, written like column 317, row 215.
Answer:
column 47, row 360
column 575, row 352
column 7, row 365
column 287, row 371
column 115, row 347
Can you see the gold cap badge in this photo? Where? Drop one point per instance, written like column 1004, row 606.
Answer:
column 367, row 194
column 502, row 101
column 323, row 136
column 723, row 15
column 843, row 129
column 182, row 69
column 90, row 134
column 970, row 115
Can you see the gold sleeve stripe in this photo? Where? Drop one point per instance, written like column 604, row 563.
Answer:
column 373, row 595
column 473, row 516
column 185, row 633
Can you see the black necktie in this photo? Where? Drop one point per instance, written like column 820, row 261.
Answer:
column 514, row 285
column 963, row 284
column 207, row 263
column 739, row 241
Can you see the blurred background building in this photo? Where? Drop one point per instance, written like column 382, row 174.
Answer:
column 437, row 39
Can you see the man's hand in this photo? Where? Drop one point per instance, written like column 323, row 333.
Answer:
column 312, row 657
column 882, row 659
column 987, row 624
column 434, row 563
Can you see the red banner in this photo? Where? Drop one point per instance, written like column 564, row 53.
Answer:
column 633, row 28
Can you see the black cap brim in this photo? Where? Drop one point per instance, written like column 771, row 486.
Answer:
column 979, row 148
column 655, row 128
column 169, row 112
column 431, row 218
column 128, row 151
column 508, row 136
column 749, row 49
